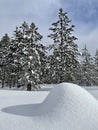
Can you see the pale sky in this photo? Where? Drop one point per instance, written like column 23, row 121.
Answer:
column 84, row 15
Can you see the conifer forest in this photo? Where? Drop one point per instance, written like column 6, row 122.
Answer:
column 25, row 59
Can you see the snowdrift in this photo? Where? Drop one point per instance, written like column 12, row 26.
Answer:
column 67, row 107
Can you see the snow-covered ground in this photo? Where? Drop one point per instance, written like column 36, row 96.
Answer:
column 63, row 107
column 93, row 91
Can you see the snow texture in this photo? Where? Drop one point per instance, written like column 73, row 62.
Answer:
column 67, row 107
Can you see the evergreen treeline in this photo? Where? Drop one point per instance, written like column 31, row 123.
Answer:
column 24, row 59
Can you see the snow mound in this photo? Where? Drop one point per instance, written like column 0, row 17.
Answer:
column 68, row 107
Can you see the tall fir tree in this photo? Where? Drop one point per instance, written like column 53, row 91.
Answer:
column 29, row 53
column 65, row 50
column 4, row 50
column 88, row 71
column 96, row 67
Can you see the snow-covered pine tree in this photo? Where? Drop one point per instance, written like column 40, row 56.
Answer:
column 11, row 69
column 65, row 50
column 96, row 67
column 4, row 49
column 32, row 56
column 87, row 66
column 18, row 44
column 13, row 59
column 29, row 53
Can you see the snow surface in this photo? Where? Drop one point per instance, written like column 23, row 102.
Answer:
column 93, row 90
column 67, row 107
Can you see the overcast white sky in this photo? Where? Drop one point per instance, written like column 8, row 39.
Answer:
column 84, row 15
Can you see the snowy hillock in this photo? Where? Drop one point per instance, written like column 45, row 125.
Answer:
column 67, row 107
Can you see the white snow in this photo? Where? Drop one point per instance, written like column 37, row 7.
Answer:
column 93, row 90
column 30, row 57
column 65, row 107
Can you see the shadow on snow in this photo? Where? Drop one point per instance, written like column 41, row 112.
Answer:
column 23, row 110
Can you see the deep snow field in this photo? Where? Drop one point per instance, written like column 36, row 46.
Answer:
column 57, row 107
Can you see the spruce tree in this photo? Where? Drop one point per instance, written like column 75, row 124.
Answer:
column 65, row 50
column 96, row 67
column 29, row 53
column 4, row 50
column 87, row 68
column 17, row 49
